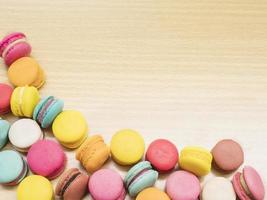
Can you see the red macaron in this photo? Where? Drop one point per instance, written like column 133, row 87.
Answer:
column 5, row 95
column 163, row 155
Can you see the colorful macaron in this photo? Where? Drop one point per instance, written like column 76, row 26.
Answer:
column 127, row 147
column 13, row 168
column 47, row 110
column 139, row 177
column 24, row 100
column 4, row 128
column 35, row 187
column 93, row 153
column 23, row 133
column 73, row 184
column 106, row 184
column 183, row 185
column 13, row 47
column 227, row 155
column 162, row 154
column 196, row 160
column 26, row 71
column 248, row 185
column 5, row 96
column 70, row 128
column 218, row 188
column 46, row 158
column 152, row 193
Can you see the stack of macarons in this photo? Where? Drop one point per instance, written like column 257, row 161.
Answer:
column 46, row 159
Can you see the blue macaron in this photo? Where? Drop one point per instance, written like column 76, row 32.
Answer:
column 47, row 110
column 13, row 167
column 4, row 128
column 139, row 177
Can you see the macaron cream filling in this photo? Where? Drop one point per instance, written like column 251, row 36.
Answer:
column 12, row 44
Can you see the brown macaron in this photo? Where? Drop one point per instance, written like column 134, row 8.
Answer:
column 227, row 155
column 72, row 185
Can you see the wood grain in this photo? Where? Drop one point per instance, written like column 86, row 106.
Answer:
column 190, row 71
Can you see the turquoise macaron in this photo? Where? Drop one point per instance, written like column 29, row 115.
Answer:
column 4, row 128
column 13, row 168
column 47, row 110
column 139, row 177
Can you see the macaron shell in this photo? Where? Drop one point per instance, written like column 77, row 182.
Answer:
column 40, row 79
column 29, row 100
column 16, row 52
column 152, row 194
column 9, row 39
column 254, row 182
column 23, row 71
column 11, row 166
column 106, row 184
column 127, row 147
column 162, row 154
column 227, row 155
column 148, row 179
column 183, row 185
column 53, row 111
column 23, row 133
column 53, row 158
column 4, row 128
column 15, row 102
column 196, row 160
column 5, row 96
column 35, row 187
column 70, row 128
column 218, row 188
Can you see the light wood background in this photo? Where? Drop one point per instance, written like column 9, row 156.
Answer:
column 194, row 72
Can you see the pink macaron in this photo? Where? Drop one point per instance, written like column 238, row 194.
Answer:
column 46, row 158
column 163, row 155
column 13, row 47
column 248, row 185
column 183, row 185
column 5, row 95
column 106, row 184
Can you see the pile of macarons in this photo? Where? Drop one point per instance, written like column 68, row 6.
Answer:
column 46, row 158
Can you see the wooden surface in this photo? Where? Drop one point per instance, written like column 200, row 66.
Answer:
column 190, row 71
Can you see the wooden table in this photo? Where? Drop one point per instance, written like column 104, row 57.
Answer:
column 190, row 71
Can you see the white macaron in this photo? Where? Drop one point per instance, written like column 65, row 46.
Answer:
column 24, row 133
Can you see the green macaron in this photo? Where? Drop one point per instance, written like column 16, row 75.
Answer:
column 4, row 128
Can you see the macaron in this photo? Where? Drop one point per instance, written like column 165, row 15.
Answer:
column 70, row 128
column 93, row 153
column 23, row 133
column 227, row 155
column 13, row 47
column 46, row 111
column 218, row 188
column 35, row 187
column 4, row 128
column 26, row 71
column 248, row 185
column 46, row 158
column 24, row 100
column 5, row 96
column 139, row 177
column 127, row 147
column 162, row 154
column 13, row 168
column 106, row 184
column 73, row 184
column 196, row 160
column 152, row 193
column 183, row 185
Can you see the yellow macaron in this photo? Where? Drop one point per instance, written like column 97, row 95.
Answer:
column 35, row 187
column 26, row 71
column 196, row 160
column 70, row 128
column 24, row 100
column 127, row 147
